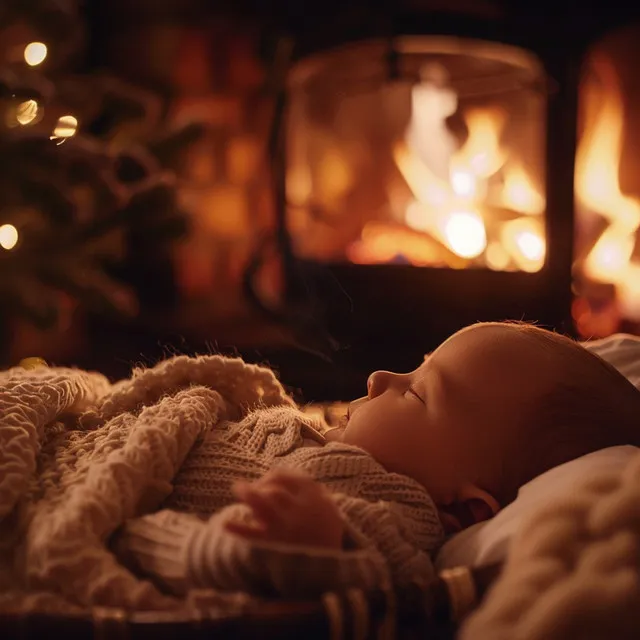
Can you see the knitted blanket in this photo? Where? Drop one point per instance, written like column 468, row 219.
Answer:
column 79, row 456
column 573, row 570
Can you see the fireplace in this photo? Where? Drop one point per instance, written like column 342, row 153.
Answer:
column 424, row 180
column 424, row 151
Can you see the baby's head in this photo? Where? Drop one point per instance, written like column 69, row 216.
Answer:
column 493, row 407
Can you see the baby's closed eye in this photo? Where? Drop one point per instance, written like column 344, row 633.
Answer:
column 413, row 392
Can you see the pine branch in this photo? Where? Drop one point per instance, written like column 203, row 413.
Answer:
column 75, row 189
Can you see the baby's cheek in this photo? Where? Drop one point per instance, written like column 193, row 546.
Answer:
column 335, row 435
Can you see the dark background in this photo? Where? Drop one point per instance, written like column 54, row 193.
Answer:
column 221, row 54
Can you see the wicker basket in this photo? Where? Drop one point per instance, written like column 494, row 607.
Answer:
column 426, row 612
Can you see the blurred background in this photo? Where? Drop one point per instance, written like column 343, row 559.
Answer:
column 138, row 207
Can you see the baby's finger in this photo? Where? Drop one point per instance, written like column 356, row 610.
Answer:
column 268, row 503
column 251, row 530
column 291, row 479
column 278, row 494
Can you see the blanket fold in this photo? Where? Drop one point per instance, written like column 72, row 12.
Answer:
column 79, row 456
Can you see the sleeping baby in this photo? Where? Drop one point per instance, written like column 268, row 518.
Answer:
column 274, row 505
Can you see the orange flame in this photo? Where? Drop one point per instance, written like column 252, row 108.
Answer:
column 452, row 210
column 598, row 157
column 597, row 186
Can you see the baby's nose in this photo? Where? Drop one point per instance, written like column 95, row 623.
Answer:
column 380, row 381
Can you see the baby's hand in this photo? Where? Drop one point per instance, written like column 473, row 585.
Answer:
column 289, row 506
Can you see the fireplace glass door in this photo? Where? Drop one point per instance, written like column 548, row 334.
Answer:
column 427, row 151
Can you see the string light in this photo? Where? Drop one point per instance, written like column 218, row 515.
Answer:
column 65, row 128
column 26, row 112
column 35, row 53
column 8, row 236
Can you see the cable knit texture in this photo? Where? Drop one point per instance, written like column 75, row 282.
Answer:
column 153, row 459
column 79, row 456
column 574, row 570
column 391, row 519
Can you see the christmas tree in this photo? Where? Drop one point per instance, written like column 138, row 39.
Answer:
column 85, row 163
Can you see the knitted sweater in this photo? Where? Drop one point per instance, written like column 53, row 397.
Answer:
column 79, row 457
column 391, row 520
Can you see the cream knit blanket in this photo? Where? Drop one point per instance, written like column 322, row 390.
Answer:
column 573, row 571
column 79, row 456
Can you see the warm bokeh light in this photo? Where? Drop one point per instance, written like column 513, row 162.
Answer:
column 27, row 112
column 8, row 236
column 66, row 127
column 465, row 234
column 35, row 53
column 523, row 238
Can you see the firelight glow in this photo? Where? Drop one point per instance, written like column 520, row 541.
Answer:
column 519, row 193
column 597, row 188
column 523, row 239
column 35, row 53
column 465, row 234
column 450, row 185
column 463, row 183
column 8, row 236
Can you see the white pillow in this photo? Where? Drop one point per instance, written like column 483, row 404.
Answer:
column 622, row 351
column 487, row 542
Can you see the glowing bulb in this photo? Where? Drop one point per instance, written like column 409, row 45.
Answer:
column 26, row 112
column 65, row 128
column 8, row 236
column 35, row 53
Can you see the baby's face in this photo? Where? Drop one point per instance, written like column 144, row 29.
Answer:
column 450, row 423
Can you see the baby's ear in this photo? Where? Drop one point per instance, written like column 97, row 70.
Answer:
column 472, row 505
column 482, row 504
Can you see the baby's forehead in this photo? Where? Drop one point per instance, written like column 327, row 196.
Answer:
column 496, row 354
column 483, row 340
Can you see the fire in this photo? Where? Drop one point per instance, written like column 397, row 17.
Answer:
column 598, row 157
column 523, row 239
column 481, row 155
column 519, row 194
column 456, row 188
column 597, row 188
column 465, row 233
